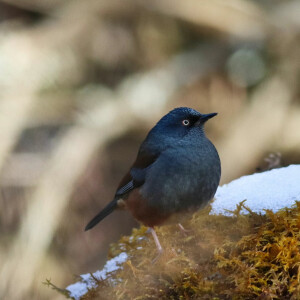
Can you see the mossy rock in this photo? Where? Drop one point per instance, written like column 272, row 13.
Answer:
column 249, row 256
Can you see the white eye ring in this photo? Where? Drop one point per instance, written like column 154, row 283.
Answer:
column 186, row 122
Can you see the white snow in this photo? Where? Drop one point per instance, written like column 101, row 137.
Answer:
column 273, row 190
column 87, row 282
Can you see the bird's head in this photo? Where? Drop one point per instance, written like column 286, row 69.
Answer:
column 174, row 126
column 180, row 121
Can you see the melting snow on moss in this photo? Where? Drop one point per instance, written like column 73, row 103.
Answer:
column 87, row 282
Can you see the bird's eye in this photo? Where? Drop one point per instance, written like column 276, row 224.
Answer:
column 186, row 122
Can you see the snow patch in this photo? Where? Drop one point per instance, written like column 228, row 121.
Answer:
column 273, row 190
column 87, row 282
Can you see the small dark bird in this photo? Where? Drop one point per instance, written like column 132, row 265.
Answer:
column 177, row 171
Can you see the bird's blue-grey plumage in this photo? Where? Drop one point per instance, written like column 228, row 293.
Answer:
column 177, row 167
column 188, row 163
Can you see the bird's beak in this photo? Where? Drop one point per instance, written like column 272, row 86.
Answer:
column 206, row 117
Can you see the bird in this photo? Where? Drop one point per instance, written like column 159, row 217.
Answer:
column 176, row 172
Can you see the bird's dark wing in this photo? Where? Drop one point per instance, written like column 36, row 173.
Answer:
column 133, row 179
column 136, row 176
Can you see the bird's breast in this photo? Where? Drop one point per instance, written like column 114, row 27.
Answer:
column 183, row 179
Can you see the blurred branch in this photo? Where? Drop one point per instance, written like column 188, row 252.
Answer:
column 33, row 6
column 256, row 128
column 290, row 137
column 14, row 113
column 238, row 18
column 10, row 11
column 46, row 208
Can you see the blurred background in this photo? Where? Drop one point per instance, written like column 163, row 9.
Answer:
column 82, row 82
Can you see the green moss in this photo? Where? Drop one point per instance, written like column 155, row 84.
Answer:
column 239, row 257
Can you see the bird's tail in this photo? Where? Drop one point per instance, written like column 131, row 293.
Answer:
column 110, row 207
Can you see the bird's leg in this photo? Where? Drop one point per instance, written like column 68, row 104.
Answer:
column 157, row 243
column 183, row 230
column 156, row 240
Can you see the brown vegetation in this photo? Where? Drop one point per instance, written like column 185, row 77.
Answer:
column 241, row 257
